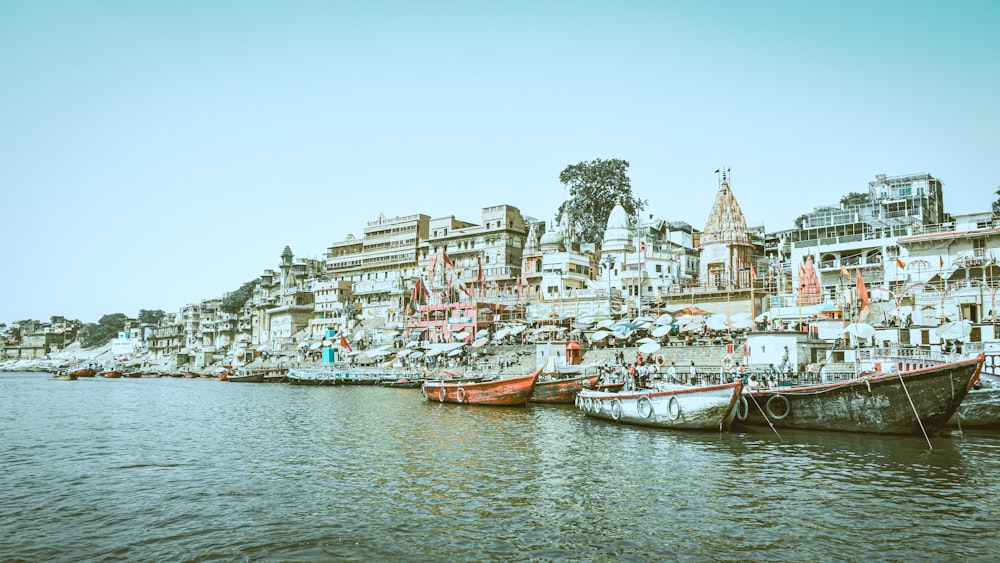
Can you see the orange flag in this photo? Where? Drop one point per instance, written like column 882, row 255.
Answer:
column 900, row 264
column 863, row 296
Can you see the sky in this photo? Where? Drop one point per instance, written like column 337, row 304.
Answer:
column 154, row 154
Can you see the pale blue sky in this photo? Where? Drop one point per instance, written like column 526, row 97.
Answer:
column 155, row 154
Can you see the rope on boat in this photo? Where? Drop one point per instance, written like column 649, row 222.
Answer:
column 764, row 414
column 958, row 415
column 912, row 406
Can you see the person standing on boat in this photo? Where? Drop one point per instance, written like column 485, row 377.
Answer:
column 672, row 373
column 692, row 373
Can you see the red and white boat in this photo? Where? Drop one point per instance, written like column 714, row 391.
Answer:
column 510, row 392
column 681, row 407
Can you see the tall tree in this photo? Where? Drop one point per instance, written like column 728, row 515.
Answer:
column 152, row 317
column 594, row 189
column 996, row 204
column 855, row 198
column 101, row 332
column 234, row 301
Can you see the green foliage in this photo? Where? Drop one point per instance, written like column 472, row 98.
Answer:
column 855, row 198
column 152, row 317
column 594, row 189
column 100, row 333
column 235, row 300
column 996, row 204
column 800, row 220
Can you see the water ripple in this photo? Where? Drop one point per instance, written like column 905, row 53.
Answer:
column 200, row 470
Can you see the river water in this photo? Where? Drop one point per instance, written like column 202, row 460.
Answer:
column 201, row 470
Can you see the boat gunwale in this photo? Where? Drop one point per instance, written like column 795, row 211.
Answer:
column 872, row 377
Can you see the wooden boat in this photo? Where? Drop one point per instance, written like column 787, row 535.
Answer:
column 979, row 409
column 512, row 392
column 253, row 376
column 875, row 403
column 64, row 376
column 83, row 371
column 111, row 373
column 562, row 390
column 611, row 387
column 402, row 383
column 313, row 377
column 275, row 375
column 682, row 407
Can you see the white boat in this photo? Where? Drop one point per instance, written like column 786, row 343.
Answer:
column 681, row 406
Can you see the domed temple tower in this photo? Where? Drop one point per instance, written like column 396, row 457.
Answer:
column 726, row 246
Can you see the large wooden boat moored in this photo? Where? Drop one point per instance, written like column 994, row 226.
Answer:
column 682, row 407
column 562, row 390
column 252, row 376
column 511, row 392
column 907, row 402
column 111, row 373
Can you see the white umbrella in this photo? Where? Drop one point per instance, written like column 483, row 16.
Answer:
column 739, row 317
column 644, row 340
column 480, row 342
column 660, row 331
column 416, row 355
column 518, row 329
column 954, row 330
column 455, row 352
column 718, row 322
column 501, row 334
column 606, row 323
column 460, row 336
column 740, row 324
column 649, row 347
column 860, row 330
column 642, row 319
column 599, row 335
column 360, row 334
column 664, row 319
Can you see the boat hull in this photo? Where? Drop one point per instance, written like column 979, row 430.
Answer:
column 682, row 408
column 979, row 409
column 257, row 377
column 562, row 391
column 511, row 392
column 895, row 403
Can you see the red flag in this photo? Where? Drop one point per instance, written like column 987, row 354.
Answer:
column 863, row 296
column 343, row 342
column 942, row 260
column 753, row 273
column 900, row 264
column 444, row 257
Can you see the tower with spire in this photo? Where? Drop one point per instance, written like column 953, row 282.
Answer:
column 726, row 246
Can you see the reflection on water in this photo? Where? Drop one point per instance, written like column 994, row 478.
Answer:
column 143, row 469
